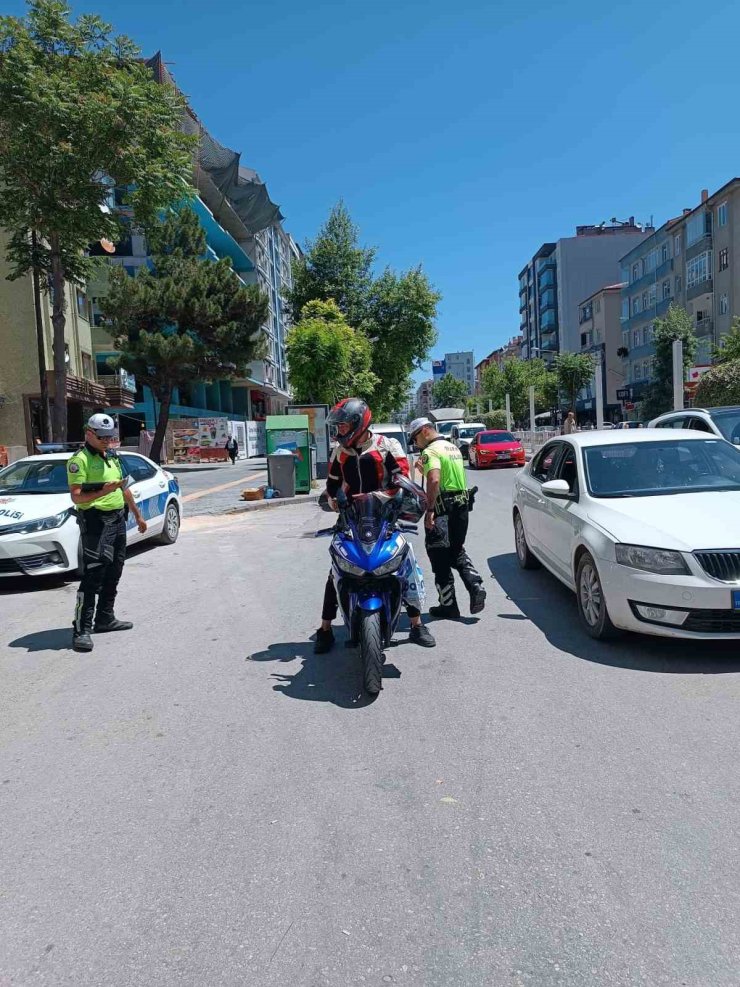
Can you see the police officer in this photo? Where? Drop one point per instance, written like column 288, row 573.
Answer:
column 446, row 521
column 96, row 483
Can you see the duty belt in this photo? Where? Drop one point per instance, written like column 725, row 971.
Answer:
column 453, row 498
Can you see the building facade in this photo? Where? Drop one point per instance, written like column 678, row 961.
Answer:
column 693, row 262
column 510, row 351
column 424, row 397
column 560, row 275
column 601, row 337
column 462, row 367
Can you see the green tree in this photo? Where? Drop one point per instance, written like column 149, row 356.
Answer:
column 574, row 371
column 729, row 348
column 399, row 318
column 79, row 112
column 719, row 386
column 395, row 311
column 328, row 359
column 677, row 324
column 495, row 419
column 334, row 266
column 449, row 392
column 186, row 319
column 514, row 377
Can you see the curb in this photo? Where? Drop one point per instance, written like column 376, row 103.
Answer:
column 266, row 505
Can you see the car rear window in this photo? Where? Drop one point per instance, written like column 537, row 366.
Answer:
column 493, row 438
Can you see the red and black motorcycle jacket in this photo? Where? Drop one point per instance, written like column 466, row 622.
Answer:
column 368, row 468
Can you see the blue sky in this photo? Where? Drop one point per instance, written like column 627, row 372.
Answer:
column 460, row 136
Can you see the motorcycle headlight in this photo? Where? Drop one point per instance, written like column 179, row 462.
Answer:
column 42, row 524
column 349, row 567
column 390, row 566
column 658, row 560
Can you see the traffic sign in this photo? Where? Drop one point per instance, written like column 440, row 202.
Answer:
column 624, row 394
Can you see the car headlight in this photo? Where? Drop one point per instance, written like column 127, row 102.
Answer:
column 390, row 566
column 42, row 524
column 658, row 560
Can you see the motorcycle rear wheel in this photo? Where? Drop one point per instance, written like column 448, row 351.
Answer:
column 371, row 650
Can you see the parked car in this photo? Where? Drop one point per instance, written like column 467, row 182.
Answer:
column 393, row 431
column 38, row 531
column 642, row 526
column 462, row 435
column 496, row 448
column 630, row 425
column 724, row 422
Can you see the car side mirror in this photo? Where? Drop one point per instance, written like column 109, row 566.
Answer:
column 557, row 489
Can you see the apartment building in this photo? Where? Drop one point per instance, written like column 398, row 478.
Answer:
column 462, row 367
column 424, row 397
column 560, row 275
column 693, row 262
column 599, row 318
column 509, row 351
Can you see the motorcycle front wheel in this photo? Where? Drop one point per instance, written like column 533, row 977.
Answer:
column 371, row 651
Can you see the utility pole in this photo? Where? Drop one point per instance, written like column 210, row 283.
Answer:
column 599, row 392
column 508, row 412
column 678, row 375
column 531, row 407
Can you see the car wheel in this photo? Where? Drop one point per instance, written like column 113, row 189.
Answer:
column 472, row 463
column 592, row 602
column 171, row 528
column 524, row 555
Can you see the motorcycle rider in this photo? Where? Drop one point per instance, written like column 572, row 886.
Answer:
column 361, row 463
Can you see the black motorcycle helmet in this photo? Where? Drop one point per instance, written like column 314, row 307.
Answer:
column 353, row 412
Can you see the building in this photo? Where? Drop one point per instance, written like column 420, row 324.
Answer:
column 560, row 275
column 509, row 351
column 462, row 367
column 601, row 337
column 20, row 387
column 424, row 397
column 242, row 223
column 693, row 262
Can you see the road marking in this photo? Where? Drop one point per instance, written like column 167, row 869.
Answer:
column 244, row 482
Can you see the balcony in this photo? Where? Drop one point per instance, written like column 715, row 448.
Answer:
column 704, row 327
column 546, row 281
column 120, row 389
column 699, row 246
column 704, row 287
column 665, row 268
column 544, row 263
column 549, row 344
column 80, row 389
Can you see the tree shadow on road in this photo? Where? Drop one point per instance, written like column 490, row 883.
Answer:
column 332, row 678
column 544, row 600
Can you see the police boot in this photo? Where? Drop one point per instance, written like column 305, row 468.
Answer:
column 105, row 622
column 473, row 584
column 448, row 608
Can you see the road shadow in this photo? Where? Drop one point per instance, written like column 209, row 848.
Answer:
column 15, row 585
column 544, row 600
column 52, row 639
column 334, row 678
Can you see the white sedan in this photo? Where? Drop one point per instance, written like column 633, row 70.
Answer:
column 643, row 525
column 39, row 535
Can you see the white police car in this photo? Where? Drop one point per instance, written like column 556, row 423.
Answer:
column 39, row 535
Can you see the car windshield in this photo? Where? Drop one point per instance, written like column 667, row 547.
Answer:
column 444, row 428
column 494, row 438
column 468, row 432
column 728, row 422
column 43, row 477
column 646, row 469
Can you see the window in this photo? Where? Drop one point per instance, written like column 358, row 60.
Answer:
column 568, row 470
column 544, row 463
column 636, row 271
column 81, row 303
column 724, row 304
column 636, row 338
column 666, row 289
column 664, row 252
column 697, row 227
column 625, row 313
column 637, row 372
column 678, row 285
column 636, row 305
column 722, row 214
column 138, row 468
column 698, row 425
column 677, row 245
column 672, row 423
column 598, row 305
column 87, row 367
column 698, row 269
column 646, row 335
column 652, row 293
column 724, row 259
column 650, row 262
column 644, row 300
column 646, row 370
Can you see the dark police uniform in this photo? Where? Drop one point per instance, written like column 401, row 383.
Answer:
column 446, row 548
column 103, row 536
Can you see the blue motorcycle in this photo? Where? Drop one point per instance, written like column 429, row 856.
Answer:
column 374, row 568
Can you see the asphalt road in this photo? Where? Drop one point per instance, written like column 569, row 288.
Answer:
column 214, row 488
column 202, row 801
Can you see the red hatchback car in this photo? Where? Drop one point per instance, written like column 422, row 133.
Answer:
column 495, row 449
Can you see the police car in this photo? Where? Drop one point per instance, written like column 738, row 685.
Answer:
column 39, row 535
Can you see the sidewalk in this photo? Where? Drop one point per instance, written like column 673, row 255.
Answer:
column 259, row 462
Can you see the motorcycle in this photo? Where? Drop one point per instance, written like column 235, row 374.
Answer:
column 374, row 568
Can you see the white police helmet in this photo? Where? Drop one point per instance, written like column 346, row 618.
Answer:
column 416, row 426
column 102, row 425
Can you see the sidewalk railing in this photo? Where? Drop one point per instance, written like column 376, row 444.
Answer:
column 533, row 441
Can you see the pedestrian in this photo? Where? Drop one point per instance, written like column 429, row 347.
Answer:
column 98, row 489
column 232, row 447
column 570, row 425
column 446, row 521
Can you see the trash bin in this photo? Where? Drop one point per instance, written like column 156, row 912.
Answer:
column 290, row 432
column 281, row 472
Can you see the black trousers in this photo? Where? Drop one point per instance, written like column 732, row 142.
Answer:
column 232, row 455
column 103, row 536
column 445, row 560
column 331, row 603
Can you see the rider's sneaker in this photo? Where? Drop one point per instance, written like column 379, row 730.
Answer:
column 445, row 613
column 477, row 599
column 324, row 641
column 420, row 635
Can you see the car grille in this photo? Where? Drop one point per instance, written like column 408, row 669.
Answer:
column 28, row 563
column 713, row 622
column 724, row 566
